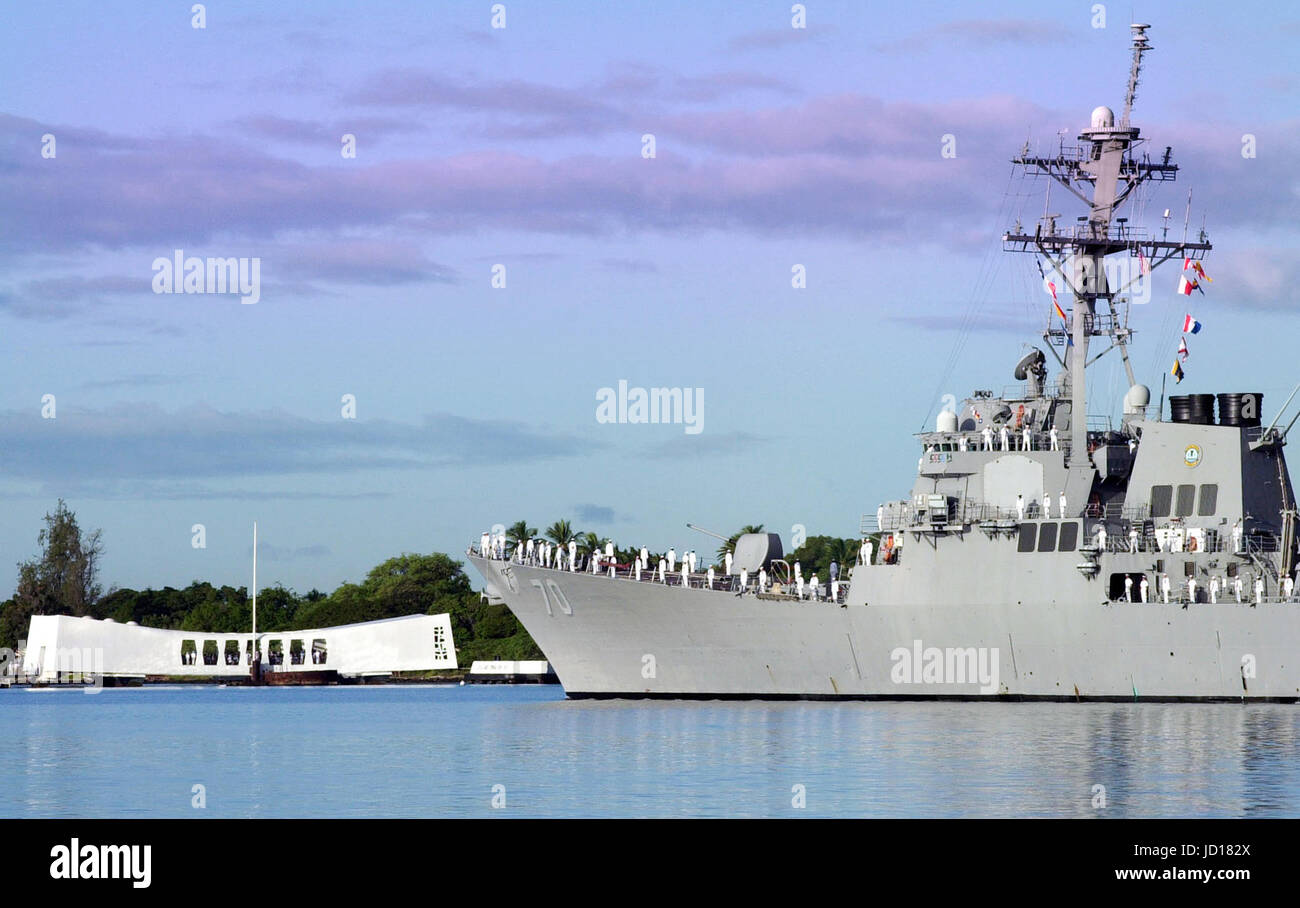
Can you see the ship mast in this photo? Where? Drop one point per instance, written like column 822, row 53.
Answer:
column 1106, row 164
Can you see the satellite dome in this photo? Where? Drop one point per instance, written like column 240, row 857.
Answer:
column 1137, row 398
column 1103, row 117
column 947, row 422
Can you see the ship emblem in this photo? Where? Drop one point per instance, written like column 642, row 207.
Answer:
column 1192, row 456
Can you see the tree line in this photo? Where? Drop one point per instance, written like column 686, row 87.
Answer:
column 63, row 580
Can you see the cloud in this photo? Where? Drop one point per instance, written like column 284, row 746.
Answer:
column 594, row 513
column 136, row 380
column 144, row 443
column 362, row 261
column 630, row 266
column 59, row 297
column 983, row 33
column 776, row 38
column 316, row 132
column 847, row 164
column 409, row 87
column 706, row 444
column 1259, row 278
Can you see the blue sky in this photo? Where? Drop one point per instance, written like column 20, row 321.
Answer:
column 522, row 146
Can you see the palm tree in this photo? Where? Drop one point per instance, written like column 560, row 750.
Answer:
column 560, row 532
column 521, row 532
column 590, row 542
column 730, row 544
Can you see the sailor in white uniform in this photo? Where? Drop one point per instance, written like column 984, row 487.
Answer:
column 660, row 574
column 1101, row 537
column 1128, row 588
column 744, row 579
column 868, row 549
column 483, row 545
column 1020, row 507
column 726, row 564
column 710, row 576
column 814, row 584
column 1214, row 589
column 1259, row 588
column 1143, row 587
column 1237, row 587
column 1164, row 587
column 573, row 555
column 645, row 556
column 672, row 560
column 798, row 583
column 1005, row 437
column 1047, row 506
column 762, row 580
column 1236, row 536
column 1191, row 589
column 1061, row 502
column 988, row 438
column 1133, row 539
column 1055, row 440
column 1288, row 586
column 1027, row 440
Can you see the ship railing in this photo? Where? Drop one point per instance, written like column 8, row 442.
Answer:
column 1088, row 230
column 1022, row 392
column 947, row 442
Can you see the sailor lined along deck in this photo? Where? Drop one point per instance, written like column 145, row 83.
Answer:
column 1042, row 553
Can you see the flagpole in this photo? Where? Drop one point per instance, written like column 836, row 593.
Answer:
column 1161, row 416
column 255, row 647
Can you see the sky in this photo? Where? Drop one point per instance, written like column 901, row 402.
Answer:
column 521, row 152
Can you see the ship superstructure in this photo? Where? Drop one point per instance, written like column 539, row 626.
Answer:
column 1042, row 553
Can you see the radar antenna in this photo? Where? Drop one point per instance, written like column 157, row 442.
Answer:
column 1140, row 46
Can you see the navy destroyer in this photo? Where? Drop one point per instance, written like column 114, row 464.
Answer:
column 1043, row 553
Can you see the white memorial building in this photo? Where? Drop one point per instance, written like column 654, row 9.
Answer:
column 61, row 647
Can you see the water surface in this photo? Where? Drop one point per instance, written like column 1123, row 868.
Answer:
column 438, row 751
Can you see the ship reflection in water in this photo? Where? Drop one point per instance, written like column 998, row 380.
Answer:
column 439, row 751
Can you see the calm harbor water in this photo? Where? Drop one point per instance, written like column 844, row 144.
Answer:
column 438, row 751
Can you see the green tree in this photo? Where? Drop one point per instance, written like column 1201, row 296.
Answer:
column 561, row 532
column 63, row 578
column 521, row 532
column 817, row 553
column 590, row 542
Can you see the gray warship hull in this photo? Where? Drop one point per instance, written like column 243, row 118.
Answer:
column 629, row 639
